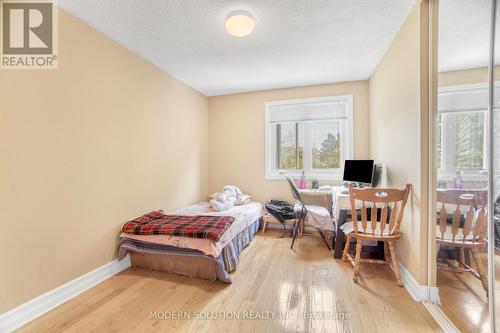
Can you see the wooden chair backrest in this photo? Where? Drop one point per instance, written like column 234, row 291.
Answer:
column 389, row 200
column 456, row 201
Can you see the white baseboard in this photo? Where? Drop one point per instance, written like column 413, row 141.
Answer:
column 441, row 318
column 420, row 293
column 23, row 314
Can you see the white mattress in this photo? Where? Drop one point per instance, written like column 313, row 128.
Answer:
column 244, row 216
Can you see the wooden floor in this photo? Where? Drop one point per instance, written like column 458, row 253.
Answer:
column 270, row 278
column 464, row 300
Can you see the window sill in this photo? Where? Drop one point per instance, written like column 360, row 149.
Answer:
column 309, row 177
column 465, row 177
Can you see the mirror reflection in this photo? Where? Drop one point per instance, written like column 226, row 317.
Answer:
column 462, row 162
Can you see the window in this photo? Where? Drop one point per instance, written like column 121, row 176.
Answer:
column 290, row 146
column 461, row 131
column 314, row 135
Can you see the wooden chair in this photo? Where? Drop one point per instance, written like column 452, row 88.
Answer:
column 467, row 230
column 388, row 205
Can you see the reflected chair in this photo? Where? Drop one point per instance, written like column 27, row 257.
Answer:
column 302, row 211
column 390, row 203
column 467, row 210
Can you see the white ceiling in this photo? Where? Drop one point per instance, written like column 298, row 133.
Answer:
column 464, row 34
column 295, row 42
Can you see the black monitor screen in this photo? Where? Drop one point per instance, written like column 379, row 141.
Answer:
column 359, row 171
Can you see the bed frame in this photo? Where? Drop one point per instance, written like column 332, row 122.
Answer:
column 202, row 267
column 198, row 267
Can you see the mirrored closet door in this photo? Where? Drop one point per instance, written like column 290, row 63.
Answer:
column 494, row 232
column 467, row 167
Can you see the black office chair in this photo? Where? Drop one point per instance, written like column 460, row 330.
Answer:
column 300, row 216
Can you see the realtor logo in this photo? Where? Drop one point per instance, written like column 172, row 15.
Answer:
column 28, row 34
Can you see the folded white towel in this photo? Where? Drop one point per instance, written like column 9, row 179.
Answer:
column 243, row 199
column 220, row 206
column 220, row 197
column 231, row 191
column 231, row 195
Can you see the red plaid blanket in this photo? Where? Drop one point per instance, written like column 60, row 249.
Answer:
column 196, row 226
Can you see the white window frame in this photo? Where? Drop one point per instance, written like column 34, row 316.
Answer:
column 448, row 169
column 346, row 150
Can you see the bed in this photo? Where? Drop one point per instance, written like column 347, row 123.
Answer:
column 196, row 257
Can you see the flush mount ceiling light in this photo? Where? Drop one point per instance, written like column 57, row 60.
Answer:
column 240, row 23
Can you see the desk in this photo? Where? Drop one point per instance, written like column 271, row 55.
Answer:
column 339, row 205
column 341, row 209
column 332, row 199
column 322, row 198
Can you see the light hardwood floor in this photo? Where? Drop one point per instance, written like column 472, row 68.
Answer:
column 464, row 300
column 270, row 277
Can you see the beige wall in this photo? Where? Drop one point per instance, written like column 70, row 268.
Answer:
column 237, row 136
column 466, row 76
column 106, row 137
column 398, row 125
column 109, row 136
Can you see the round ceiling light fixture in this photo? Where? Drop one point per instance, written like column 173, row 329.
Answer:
column 240, row 23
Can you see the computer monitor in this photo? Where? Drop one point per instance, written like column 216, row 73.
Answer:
column 359, row 171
